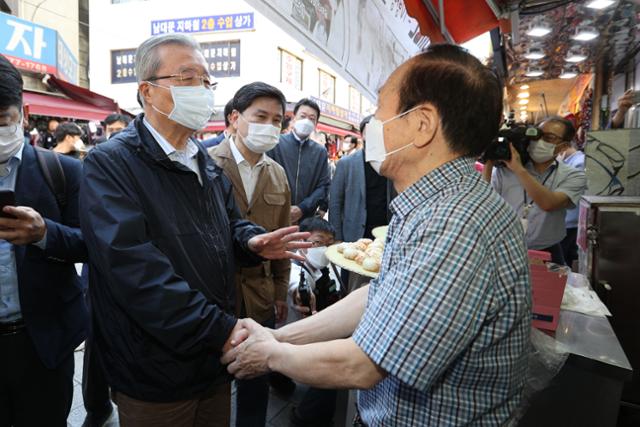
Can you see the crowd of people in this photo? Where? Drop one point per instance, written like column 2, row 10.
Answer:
column 198, row 255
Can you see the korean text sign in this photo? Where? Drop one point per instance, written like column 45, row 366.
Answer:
column 27, row 45
column 204, row 24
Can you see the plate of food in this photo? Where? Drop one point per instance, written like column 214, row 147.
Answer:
column 362, row 257
column 380, row 232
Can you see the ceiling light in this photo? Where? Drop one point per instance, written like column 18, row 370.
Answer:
column 585, row 33
column 539, row 28
column 523, row 101
column 523, row 108
column 575, row 55
column 535, row 53
column 523, row 95
column 534, row 72
column 600, row 4
column 569, row 73
column 524, row 87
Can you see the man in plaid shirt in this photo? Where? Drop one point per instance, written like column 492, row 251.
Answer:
column 441, row 336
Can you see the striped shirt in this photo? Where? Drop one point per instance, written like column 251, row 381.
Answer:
column 448, row 318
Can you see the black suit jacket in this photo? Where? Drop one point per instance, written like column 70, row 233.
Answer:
column 51, row 298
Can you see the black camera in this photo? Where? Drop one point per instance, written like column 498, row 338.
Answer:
column 519, row 136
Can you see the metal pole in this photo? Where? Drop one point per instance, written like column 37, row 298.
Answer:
column 436, row 18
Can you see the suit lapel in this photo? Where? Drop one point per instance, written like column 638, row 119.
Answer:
column 263, row 180
column 231, row 169
column 358, row 169
column 29, row 184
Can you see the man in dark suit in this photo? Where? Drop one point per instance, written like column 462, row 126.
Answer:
column 42, row 312
column 228, row 128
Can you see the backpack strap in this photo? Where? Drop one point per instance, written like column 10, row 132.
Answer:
column 53, row 174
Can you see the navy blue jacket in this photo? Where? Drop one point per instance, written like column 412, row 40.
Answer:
column 307, row 168
column 212, row 142
column 51, row 298
column 161, row 276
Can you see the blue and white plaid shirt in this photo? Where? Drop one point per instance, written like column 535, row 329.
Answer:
column 449, row 316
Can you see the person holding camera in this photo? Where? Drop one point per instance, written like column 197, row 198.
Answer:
column 541, row 189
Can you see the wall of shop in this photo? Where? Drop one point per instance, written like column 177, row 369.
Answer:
column 123, row 26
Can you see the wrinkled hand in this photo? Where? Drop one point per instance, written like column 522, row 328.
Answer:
column 238, row 334
column 250, row 359
column 296, row 214
column 515, row 164
column 279, row 244
column 26, row 227
column 302, row 309
column 625, row 101
column 282, row 310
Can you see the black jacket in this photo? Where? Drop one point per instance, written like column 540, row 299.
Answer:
column 51, row 298
column 307, row 168
column 161, row 249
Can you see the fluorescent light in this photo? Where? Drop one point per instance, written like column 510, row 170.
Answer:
column 568, row 74
column 575, row 56
column 535, row 53
column 534, row 72
column 600, row 4
column 585, row 33
column 524, row 87
column 539, row 28
column 523, row 101
column 523, row 95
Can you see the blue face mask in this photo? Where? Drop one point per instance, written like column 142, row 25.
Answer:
column 192, row 105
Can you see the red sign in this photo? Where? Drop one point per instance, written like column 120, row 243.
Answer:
column 27, row 65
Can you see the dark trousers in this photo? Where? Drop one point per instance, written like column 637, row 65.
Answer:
column 252, row 396
column 318, row 406
column 31, row 395
column 211, row 410
column 570, row 246
column 95, row 389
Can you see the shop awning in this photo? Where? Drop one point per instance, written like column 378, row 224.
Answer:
column 80, row 94
column 51, row 105
column 217, row 126
column 463, row 19
column 334, row 130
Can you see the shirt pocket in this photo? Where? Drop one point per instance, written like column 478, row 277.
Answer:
column 274, row 203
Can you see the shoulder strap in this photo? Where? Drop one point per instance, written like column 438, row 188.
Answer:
column 53, row 174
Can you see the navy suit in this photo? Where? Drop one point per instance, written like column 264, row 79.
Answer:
column 216, row 140
column 36, row 363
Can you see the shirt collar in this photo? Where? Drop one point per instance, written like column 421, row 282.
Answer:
column 431, row 184
column 237, row 155
column 190, row 151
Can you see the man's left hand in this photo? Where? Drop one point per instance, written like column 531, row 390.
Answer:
column 515, row 164
column 281, row 311
column 280, row 243
column 250, row 358
column 26, row 227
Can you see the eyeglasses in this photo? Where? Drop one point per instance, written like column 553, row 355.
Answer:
column 190, row 78
column 551, row 137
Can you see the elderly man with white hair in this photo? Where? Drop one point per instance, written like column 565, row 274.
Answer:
column 164, row 235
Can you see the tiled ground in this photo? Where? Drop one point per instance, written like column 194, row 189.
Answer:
column 277, row 412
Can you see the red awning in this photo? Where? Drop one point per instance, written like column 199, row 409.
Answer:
column 217, row 126
column 464, row 19
column 80, row 94
column 56, row 106
column 334, row 130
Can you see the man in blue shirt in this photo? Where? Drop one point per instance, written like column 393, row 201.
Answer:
column 42, row 312
column 574, row 158
column 440, row 338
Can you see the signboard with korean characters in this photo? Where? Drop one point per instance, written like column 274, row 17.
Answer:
column 204, row 24
column 123, row 66
column 223, row 57
column 336, row 112
column 35, row 48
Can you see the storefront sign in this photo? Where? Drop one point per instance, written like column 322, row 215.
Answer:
column 204, row 24
column 28, row 46
column 332, row 110
column 35, row 48
column 123, row 66
column 223, row 58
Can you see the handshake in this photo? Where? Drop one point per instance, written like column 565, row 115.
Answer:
column 249, row 349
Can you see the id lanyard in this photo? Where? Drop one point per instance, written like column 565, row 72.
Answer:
column 528, row 206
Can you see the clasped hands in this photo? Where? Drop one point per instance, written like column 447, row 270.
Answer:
column 248, row 349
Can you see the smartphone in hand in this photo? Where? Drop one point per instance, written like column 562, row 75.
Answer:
column 7, row 198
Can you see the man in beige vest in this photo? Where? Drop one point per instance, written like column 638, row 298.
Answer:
column 262, row 194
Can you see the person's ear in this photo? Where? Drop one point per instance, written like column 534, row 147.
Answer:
column 233, row 119
column 143, row 91
column 428, row 122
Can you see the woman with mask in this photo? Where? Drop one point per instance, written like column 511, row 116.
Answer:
column 541, row 190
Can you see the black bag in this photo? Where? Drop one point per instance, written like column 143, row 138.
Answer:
column 53, row 174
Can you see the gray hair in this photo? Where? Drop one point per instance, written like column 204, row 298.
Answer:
column 147, row 59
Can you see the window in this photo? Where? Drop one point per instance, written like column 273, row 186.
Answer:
column 290, row 69
column 354, row 100
column 327, row 86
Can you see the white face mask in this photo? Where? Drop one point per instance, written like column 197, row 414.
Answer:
column 374, row 149
column 303, row 128
column 316, row 257
column 541, row 151
column 192, row 105
column 11, row 139
column 261, row 137
column 79, row 145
